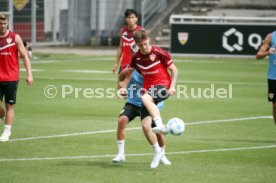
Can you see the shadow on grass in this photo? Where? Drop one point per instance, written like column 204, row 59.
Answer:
column 105, row 164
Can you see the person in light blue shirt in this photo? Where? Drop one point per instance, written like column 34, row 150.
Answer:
column 131, row 110
column 134, row 89
column 268, row 49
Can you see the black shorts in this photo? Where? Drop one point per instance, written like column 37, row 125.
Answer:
column 130, row 111
column 271, row 90
column 158, row 93
column 8, row 89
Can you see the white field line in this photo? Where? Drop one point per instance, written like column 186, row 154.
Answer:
column 138, row 128
column 177, row 60
column 74, row 71
column 142, row 154
column 200, row 61
column 230, row 120
column 70, row 134
column 211, row 61
column 37, row 61
column 73, row 79
column 222, row 82
column 34, row 70
column 88, row 71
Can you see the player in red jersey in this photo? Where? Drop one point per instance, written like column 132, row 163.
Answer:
column 127, row 45
column 154, row 64
column 10, row 45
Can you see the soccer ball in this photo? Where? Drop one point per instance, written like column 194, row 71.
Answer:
column 176, row 126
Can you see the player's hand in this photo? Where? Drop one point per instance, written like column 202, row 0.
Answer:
column 114, row 68
column 122, row 93
column 125, row 72
column 271, row 50
column 172, row 91
column 29, row 80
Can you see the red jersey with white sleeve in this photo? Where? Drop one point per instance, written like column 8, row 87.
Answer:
column 153, row 67
column 128, row 44
column 9, row 65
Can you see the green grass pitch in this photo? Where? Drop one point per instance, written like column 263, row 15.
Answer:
column 71, row 137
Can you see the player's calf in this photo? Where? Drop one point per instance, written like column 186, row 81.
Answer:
column 2, row 113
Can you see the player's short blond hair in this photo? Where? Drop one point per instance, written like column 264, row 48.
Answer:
column 140, row 35
column 3, row 16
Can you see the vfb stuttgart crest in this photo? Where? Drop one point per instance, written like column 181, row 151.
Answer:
column 183, row 37
column 9, row 40
column 152, row 57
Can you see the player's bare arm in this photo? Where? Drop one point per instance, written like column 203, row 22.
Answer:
column 26, row 60
column 174, row 74
column 128, row 71
column 119, row 54
column 265, row 49
column 124, row 82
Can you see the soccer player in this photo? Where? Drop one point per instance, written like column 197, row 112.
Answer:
column 154, row 64
column 132, row 109
column 127, row 44
column 268, row 49
column 10, row 45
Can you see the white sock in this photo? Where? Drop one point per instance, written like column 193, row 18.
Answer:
column 121, row 146
column 7, row 129
column 158, row 121
column 162, row 149
column 156, row 148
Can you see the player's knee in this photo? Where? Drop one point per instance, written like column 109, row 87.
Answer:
column 145, row 97
column 122, row 122
column 9, row 106
column 145, row 126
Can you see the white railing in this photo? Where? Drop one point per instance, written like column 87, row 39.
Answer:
column 186, row 19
